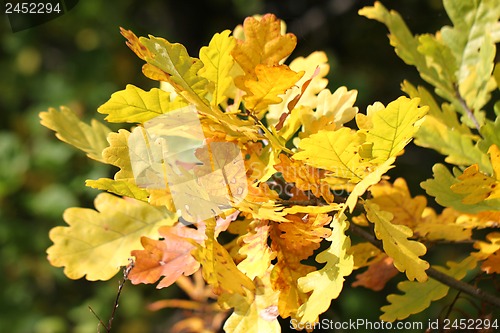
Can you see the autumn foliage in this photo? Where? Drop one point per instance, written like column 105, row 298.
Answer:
column 241, row 166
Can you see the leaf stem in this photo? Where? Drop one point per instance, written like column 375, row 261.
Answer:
column 468, row 110
column 433, row 273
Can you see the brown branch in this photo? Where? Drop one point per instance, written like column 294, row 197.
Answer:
column 433, row 273
column 126, row 272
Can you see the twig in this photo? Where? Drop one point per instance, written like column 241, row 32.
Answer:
column 126, row 272
column 433, row 273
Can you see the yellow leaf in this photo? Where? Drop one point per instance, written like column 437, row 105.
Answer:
column 90, row 139
column 97, row 243
column 332, row 111
column 263, row 44
column 478, row 186
column 119, row 187
column 335, row 151
column 134, row 105
column 364, row 254
column 419, row 295
column 219, row 269
column 370, row 179
column 255, row 313
column 327, row 282
column 117, row 154
column 396, row 199
column 396, row 244
column 217, row 64
column 450, row 225
column 257, row 252
column 487, row 248
column 269, row 82
column 394, row 126
column 305, row 177
column 309, row 65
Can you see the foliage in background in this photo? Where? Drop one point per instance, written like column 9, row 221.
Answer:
column 312, row 182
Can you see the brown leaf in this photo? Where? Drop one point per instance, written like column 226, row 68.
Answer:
column 377, row 275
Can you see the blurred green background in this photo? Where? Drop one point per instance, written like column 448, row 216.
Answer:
column 79, row 60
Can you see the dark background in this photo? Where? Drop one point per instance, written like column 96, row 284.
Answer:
column 79, row 60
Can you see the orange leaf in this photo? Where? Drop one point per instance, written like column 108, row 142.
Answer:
column 264, row 44
column 269, row 82
column 291, row 105
column 133, row 43
column 377, row 275
column 306, row 178
column 492, row 264
column 170, row 257
column 293, row 242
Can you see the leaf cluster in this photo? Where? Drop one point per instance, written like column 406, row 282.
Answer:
column 241, row 167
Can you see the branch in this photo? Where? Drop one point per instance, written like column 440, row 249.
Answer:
column 433, row 273
column 126, row 272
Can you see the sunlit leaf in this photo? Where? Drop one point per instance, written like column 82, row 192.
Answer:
column 396, row 244
column 89, row 138
column 327, row 282
column 97, row 242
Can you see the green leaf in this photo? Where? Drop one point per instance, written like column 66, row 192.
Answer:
column 490, row 132
column 439, row 187
column 134, row 105
column 326, row 283
column 418, row 296
column 396, row 244
column 97, row 243
column 217, row 64
column 90, row 139
column 472, row 21
column 439, row 57
column 174, row 60
column 459, row 148
column 445, row 114
column 406, row 46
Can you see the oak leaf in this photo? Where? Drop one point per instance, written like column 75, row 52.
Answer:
column 315, row 67
column 293, row 242
column 268, row 84
column 218, row 267
column 258, row 253
column 396, row 244
column 478, row 186
column 419, row 295
column 89, row 138
column 217, row 65
column 305, row 177
column 253, row 313
column 263, row 44
column 335, row 151
column 327, row 282
column 134, row 105
column 97, row 243
column 169, row 257
column 377, row 274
